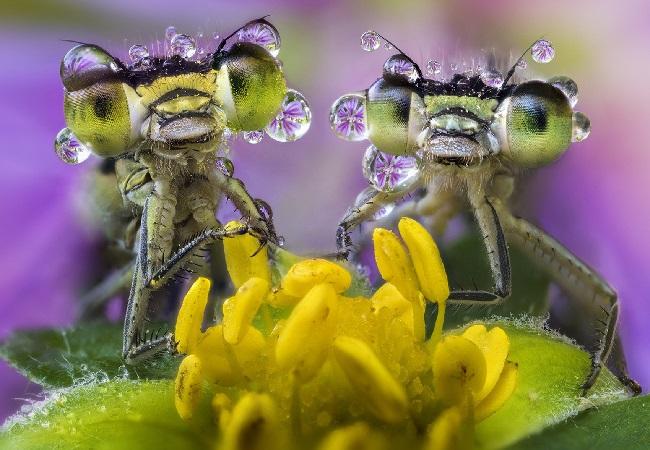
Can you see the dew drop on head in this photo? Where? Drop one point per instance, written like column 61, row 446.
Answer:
column 293, row 120
column 69, row 149
column 370, row 41
column 542, row 51
column 348, row 117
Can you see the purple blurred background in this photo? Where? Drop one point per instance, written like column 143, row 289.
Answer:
column 594, row 199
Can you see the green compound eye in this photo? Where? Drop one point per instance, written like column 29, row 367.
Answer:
column 538, row 124
column 395, row 117
column 99, row 117
column 250, row 85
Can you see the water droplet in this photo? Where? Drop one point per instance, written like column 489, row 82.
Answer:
column 183, row 46
column 293, row 120
column 348, row 117
column 225, row 166
column 542, row 51
column 264, row 209
column 69, row 149
column 567, row 86
column 262, row 34
column 433, row 67
column 170, row 32
column 281, row 241
column 370, row 41
column 522, row 64
column 389, row 173
column 581, row 127
column 253, row 137
column 138, row 53
column 453, row 66
column 492, row 78
column 402, row 67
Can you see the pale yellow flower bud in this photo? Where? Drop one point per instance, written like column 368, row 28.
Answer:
column 254, row 424
column 306, row 274
column 240, row 262
column 394, row 263
column 304, row 341
column 384, row 396
column 187, row 390
column 239, row 310
column 190, row 316
column 426, row 259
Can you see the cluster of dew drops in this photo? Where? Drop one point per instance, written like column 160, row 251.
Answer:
column 291, row 122
column 395, row 173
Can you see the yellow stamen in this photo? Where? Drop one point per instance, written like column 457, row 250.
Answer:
column 388, row 296
column 239, row 310
column 426, row 259
column 353, row 437
column 187, row 391
column 240, row 262
column 448, row 432
column 501, row 392
column 495, row 346
column 304, row 341
column 394, row 264
column 254, row 424
column 458, row 369
column 190, row 316
column 221, row 406
column 306, row 274
column 385, row 397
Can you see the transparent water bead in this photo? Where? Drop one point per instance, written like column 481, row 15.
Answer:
column 262, row 34
column 567, row 86
column 69, row 149
column 293, row 120
column 401, row 66
column 225, row 166
column 348, row 117
column 581, row 127
column 170, row 32
column 389, row 173
column 433, row 67
column 542, row 51
column 253, row 137
column 492, row 78
column 138, row 53
column 183, row 46
column 370, row 41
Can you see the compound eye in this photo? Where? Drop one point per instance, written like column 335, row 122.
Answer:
column 250, row 86
column 85, row 65
column 538, row 124
column 100, row 119
column 395, row 115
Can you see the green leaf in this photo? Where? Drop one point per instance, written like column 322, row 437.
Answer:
column 621, row 425
column 467, row 266
column 550, row 373
column 63, row 357
column 116, row 415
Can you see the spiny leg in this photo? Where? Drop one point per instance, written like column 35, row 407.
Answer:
column 252, row 210
column 579, row 281
column 498, row 255
column 360, row 213
column 146, row 279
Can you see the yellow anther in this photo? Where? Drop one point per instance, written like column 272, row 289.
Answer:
column 426, row 259
column 388, row 296
column 304, row 341
column 239, row 310
column 190, row 315
column 254, row 424
column 384, row 396
column 394, row 263
column 306, row 274
column 449, row 432
column 495, row 346
column 224, row 363
column 187, row 390
column 240, row 262
column 458, row 369
column 221, row 406
column 353, row 437
column 501, row 392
